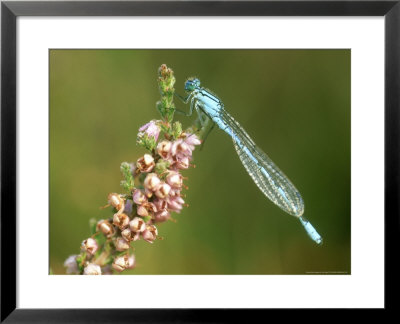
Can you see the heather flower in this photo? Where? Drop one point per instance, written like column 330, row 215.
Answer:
column 92, row 269
column 128, row 207
column 182, row 163
column 71, row 264
column 137, row 225
column 139, row 197
column 174, row 179
column 146, row 209
column 180, row 149
column 124, row 262
column 90, row 246
column 120, row 263
column 105, row 227
column 152, row 191
column 131, row 262
column 175, row 203
column 150, row 233
column 145, row 163
column 163, row 190
column 164, row 149
column 116, row 201
column 151, row 129
column 162, row 216
column 121, row 220
column 184, row 147
column 130, row 235
column 121, row 244
column 192, row 140
column 152, row 182
column 160, row 204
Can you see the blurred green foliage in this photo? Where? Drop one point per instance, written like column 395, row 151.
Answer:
column 294, row 103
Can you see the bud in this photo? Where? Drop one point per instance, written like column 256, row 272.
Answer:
column 137, row 225
column 105, row 227
column 162, row 216
column 138, row 197
column 146, row 209
column 150, row 234
column 129, row 235
column 182, row 163
column 180, row 149
column 71, row 264
column 128, row 207
column 174, row 179
column 163, row 191
column 131, row 262
column 90, row 246
column 152, row 182
column 145, row 163
column 92, row 269
column 121, row 220
column 175, row 203
column 192, row 140
column 116, row 201
column 164, row 149
column 151, row 129
column 160, row 204
column 121, row 244
column 121, row 263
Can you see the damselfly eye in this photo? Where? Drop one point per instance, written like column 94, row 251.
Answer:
column 189, row 86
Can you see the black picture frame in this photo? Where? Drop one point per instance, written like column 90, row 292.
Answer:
column 10, row 10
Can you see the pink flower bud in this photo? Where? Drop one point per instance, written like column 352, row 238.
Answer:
column 116, row 201
column 146, row 209
column 142, row 211
column 138, row 197
column 152, row 182
column 174, row 179
column 180, row 149
column 150, row 234
column 191, row 140
column 151, row 129
column 92, row 269
column 71, row 264
column 163, row 191
column 124, row 262
column 164, row 149
column 137, row 225
column 121, row 220
column 90, row 246
column 121, row 244
column 105, row 227
column 131, row 262
column 145, row 163
column 162, row 216
column 160, row 204
column 129, row 235
column 175, row 203
column 182, row 163
column 128, row 207
column 120, row 263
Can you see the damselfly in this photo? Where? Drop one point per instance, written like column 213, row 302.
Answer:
column 266, row 175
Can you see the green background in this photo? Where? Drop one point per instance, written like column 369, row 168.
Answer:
column 295, row 104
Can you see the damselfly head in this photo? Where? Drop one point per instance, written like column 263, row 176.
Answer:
column 191, row 84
